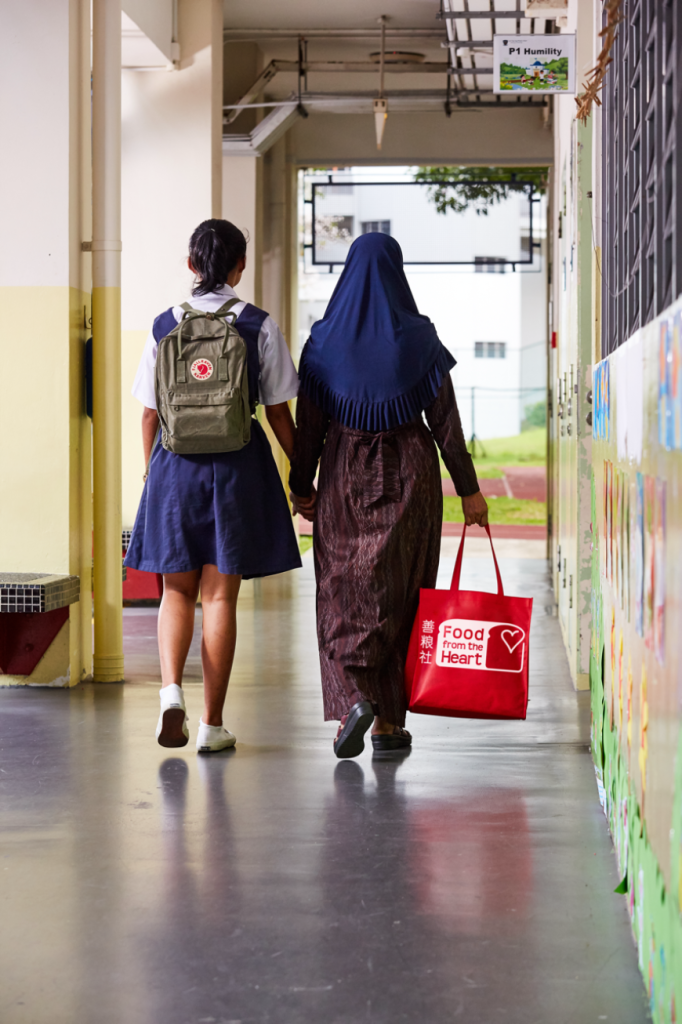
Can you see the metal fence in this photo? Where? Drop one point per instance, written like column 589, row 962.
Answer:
column 642, row 170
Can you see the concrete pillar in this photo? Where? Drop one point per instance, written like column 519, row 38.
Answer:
column 45, row 491
column 106, row 338
column 572, row 255
column 171, row 181
column 279, row 257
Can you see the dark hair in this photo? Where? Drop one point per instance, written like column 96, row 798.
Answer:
column 215, row 249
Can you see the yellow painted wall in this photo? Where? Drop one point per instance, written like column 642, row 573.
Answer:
column 132, row 344
column 45, row 459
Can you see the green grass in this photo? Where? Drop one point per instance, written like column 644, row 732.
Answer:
column 502, row 511
column 304, row 543
column 526, row 449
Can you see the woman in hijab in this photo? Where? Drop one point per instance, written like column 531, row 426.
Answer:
column 369, row 370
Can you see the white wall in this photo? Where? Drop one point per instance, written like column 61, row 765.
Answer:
column 171, row 181
column 34, row 211
column 240, row 184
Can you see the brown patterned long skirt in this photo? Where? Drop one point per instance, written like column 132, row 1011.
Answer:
column 376, row 542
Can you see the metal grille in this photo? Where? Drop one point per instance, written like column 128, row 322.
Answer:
column 642, row 170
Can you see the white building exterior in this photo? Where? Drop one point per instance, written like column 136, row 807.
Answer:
column 494, row 323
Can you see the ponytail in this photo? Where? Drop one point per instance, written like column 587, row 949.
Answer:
column 215, row 249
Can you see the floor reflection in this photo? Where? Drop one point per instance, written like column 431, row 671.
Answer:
column 472, row 860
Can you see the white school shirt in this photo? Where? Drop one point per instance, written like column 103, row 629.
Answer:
column 278, row 380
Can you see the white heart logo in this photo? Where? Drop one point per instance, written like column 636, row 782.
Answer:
column 511, row 633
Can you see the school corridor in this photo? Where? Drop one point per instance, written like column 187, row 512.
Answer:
column 525, row 158
column 471, row 880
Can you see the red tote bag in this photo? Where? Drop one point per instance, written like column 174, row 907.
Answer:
column 468, row 654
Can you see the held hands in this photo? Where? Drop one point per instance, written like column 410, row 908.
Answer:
column 304, row 506
column 475, row 509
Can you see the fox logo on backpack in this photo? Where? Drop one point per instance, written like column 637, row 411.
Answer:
column 202, row 411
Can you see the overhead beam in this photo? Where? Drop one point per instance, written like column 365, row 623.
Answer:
column 392, row 67
column 256, row 89
column 491, row 15
column 247, row 34
column 468, row 44
column 265, row 134
column 407, row 100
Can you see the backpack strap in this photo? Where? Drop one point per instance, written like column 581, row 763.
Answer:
column 225, row 310
column 164, row 324
column 249, row 323
column 156, row 441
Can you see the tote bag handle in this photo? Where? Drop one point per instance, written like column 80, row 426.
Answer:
column 458, row 564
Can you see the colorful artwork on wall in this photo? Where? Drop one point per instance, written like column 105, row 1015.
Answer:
column 676, row 379
column 665, row 412
column 629, row 702
column 620, row 683
column 621, row 539
column 643, row 729
column 637, row 484
column 670, row 383
column 626, row 543
column 649, row 561
column 629, row 407
column 659, row 570
column 601, row 393
column 608, row 519
column 639, row 554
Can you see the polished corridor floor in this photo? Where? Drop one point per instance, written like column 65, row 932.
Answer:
column 470, row 881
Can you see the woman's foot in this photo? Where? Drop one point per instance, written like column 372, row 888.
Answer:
column 172, row 730
column 350, row 739
column 399, row 739
column 213, row 737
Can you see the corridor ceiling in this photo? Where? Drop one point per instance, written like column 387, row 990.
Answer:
column 446, row 64
column 339, row 34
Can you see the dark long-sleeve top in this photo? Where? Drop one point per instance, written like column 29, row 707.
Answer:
column 442, row 417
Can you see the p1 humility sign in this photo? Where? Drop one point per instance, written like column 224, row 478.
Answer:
column 534, row 64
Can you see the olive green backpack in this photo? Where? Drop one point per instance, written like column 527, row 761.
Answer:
column 202, row 387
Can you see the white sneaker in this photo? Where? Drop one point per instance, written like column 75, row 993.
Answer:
column 213, row 737
column 172, row 729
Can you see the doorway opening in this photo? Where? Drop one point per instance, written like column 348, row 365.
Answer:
column 475, row 259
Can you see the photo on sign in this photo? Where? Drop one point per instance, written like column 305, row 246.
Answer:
column 534, row 64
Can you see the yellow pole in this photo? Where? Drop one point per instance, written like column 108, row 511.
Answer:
column 106, row 334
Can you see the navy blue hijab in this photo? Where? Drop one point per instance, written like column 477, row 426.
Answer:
column 373, row 362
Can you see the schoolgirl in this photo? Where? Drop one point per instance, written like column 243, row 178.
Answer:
column 210, row 521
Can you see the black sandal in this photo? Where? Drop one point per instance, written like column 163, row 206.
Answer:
column 350, row 739
column 399, row 739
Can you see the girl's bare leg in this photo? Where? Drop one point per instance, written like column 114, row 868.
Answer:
column 176, row 623
column 219, row 593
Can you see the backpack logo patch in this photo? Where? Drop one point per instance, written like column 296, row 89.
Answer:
column 201, row 369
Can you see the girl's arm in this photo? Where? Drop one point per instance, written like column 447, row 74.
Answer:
column 443, row 419
column 150, row 424
column 311, row 430
column 280, row 419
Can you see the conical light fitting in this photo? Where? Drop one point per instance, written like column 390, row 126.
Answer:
column 380, row 118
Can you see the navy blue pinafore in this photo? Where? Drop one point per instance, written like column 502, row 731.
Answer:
column 228, row 509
